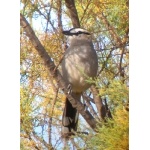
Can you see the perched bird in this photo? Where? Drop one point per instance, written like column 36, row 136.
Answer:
column 79, row 63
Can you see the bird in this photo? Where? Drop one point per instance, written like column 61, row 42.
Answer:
column 80, row 62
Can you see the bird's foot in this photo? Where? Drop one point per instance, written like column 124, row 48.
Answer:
column 69, row 87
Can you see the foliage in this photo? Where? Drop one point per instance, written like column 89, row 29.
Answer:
column 41, row 100
column 113, row 134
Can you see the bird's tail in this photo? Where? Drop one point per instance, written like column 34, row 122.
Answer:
column 70, row 118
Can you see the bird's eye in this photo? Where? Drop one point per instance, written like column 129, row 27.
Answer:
column 78, row 33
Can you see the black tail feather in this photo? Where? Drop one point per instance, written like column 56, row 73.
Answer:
column 69, row 119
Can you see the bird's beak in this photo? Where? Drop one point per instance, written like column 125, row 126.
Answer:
column 66, row 32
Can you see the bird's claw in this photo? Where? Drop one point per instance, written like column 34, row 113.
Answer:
column 69, row 87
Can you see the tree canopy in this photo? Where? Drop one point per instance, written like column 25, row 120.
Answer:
column 104, row 124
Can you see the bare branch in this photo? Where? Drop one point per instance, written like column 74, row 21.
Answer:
column 74, row 144
column 49, row 146
column 93, row 112
column 88, row 98
column 59, row 14
column 98, row 101
column 70, row 4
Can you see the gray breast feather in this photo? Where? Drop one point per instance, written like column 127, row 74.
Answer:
column 78, row 64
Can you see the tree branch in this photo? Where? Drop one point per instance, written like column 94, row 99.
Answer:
column 98, row 101
column 59, row 15
column 70, row 4
column 111, row 29
column 49, row 146
column 88, row 104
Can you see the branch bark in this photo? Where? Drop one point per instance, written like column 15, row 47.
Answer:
column 49, row 146
column 56, row 74
column 59, row 15
column 98, row 102
column 70, row 4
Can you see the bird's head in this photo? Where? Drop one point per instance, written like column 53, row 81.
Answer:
column 77, row 34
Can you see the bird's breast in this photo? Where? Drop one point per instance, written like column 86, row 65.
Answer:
column 78, row 65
